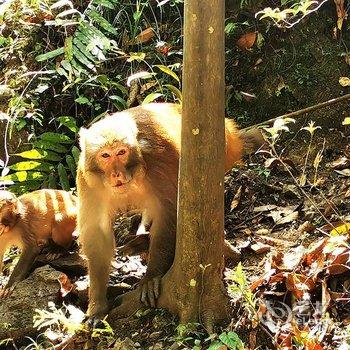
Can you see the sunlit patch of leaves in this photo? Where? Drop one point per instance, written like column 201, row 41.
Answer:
column 288, row 17
column 57, row 322
column 51, row 163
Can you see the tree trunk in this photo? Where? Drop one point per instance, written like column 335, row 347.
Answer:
column 193, row 287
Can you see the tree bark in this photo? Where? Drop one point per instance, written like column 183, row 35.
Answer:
column 193, row 287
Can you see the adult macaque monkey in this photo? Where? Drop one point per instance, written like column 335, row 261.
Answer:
column 29, row 222
column 129, row 160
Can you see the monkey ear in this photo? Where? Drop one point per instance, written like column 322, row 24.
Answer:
column 82, row 138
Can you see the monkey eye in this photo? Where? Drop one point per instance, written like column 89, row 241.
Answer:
column 105, row 155
column 121, row 152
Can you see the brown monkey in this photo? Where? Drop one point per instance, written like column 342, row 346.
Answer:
column 129, row 161
column 29, row 221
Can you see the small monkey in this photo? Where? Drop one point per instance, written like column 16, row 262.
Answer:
column 129, row 161
column 29, row 221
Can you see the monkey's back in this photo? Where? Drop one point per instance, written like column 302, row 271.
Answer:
column 166, row 118
column 47, row 208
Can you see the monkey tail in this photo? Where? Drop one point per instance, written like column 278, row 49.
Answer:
column 234, row 144
column 252, row 139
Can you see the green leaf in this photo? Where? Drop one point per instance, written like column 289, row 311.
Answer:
column 67, row 66
column 52, row 146
column 101, row 21
column 76, row 154
column 49, row 55
column 22, row 176
column 82, row 100
column 175, row 91
column 31, row 165
column 168, row 71
column 71, row 165
column 25, row 187
column 151, row 97
column 68, row 48
column 78, row 69
column 55, row 137
column 52, row 181
column 119, row 86
column 217, row 345
column 78, row 44
column 136, row 56
column 39, row 154
column 104, row 3
column 63, row 176
column 232, row 340
column 82, row 59
column 69, row 122
column 119, row 101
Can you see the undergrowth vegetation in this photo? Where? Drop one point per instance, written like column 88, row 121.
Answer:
column 72, row 64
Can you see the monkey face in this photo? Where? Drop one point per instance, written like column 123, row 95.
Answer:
column 8, row 211
column 120, row 164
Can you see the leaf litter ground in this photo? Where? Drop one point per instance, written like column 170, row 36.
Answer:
column 294, row 289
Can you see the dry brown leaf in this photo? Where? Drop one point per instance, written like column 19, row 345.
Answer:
column 345, row 172
column 299, row 284
column 145, row 36
column 346, row 321
column 326, row 297
column 260, row 248
column 66, row 285
column 307, row 227
column 347, row 59
column 236, row 199
column 341, row 13
column 284, row 215
column 246, row 41
column 340, row 262
column 341, row 163
column 271, row 163
column 315, row 251
column 264, row 208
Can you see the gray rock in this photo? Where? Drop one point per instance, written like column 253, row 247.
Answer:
column 18, row 309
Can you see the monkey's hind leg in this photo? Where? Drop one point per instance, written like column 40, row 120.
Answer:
column 21, row 270
column 61, row 238
column 62, row 231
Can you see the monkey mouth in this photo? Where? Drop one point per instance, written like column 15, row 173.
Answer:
column 120, row 183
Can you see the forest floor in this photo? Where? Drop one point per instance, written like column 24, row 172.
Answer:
column 294, row 290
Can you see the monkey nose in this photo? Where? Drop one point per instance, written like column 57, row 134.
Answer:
column 118, row 179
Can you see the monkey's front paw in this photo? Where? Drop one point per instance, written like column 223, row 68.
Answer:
column 150, row 290
column 7, row 291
